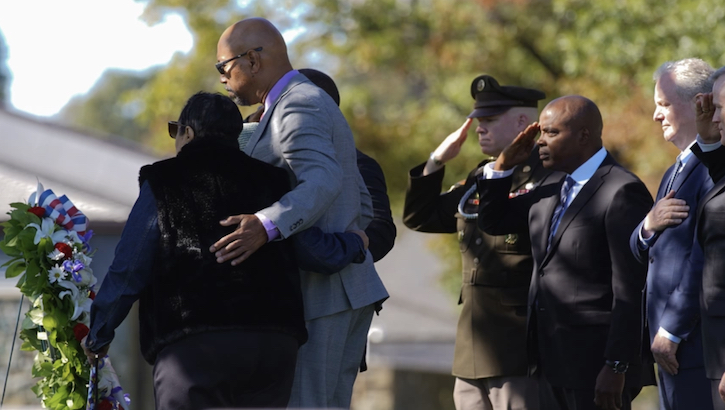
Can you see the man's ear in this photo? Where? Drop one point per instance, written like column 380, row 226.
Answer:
column 584, row 136
column 522, row 122
column 255, row 61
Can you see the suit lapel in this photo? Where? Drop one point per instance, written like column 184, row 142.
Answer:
column 718, row 188
column 690, row 166
column 264, row 122
column 663, row 184
column 587, row 192
column 547, row 205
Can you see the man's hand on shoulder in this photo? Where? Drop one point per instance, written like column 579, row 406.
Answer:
column 519, row 150
column 363, row 236
column 608, row 389
column 668, row 211
column 239, row 245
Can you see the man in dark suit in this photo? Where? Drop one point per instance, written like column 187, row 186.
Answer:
column 584, row 301
column 711, row 233
column 490, row 362
column 665, row 241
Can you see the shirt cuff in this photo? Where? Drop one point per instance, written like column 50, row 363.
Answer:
column 490, row 173
column 269, row 226
column 662, row 332
column 707, row 147
column 644, row 243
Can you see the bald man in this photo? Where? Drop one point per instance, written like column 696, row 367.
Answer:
column 584, row 320
column 303, row 131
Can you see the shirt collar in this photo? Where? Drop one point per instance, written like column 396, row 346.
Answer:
column 686, row 154
column 585, row 171
column 277, row 89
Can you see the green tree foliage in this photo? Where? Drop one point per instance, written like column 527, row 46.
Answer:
column 404, row 67
column 111, row 107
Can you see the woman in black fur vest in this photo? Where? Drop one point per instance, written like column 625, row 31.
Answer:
column 218, row 335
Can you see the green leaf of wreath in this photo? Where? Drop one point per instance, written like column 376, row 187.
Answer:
column 15, row 269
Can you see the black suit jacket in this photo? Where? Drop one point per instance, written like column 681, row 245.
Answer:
column 711, row 234
column 585, row 297
column 381, row 231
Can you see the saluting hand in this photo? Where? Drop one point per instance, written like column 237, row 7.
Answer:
column 519, row 150
column 239, row 245
column 668, row 211
column 449, row 148
column 704, row 111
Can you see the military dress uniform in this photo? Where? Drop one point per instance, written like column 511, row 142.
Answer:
column 491, row 332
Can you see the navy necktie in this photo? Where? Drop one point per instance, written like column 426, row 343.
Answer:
column 559, row 211
column 673, row 177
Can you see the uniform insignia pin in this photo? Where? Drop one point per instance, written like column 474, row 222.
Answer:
column 511, row 239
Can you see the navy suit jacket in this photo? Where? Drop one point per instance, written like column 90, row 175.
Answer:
column 674, row 261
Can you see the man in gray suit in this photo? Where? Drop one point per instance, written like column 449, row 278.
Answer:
column 303, row 131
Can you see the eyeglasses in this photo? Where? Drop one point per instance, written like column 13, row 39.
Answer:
column 220, row 65
column 174, row 128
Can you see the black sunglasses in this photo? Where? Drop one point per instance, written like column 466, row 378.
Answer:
column 174, row 128
column 220, row 65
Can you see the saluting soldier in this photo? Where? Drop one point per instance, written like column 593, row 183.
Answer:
column 490, row 362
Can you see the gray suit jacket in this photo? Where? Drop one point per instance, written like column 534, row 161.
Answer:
column 305, row 133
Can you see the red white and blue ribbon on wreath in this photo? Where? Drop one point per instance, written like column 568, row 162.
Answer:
column 61, row 210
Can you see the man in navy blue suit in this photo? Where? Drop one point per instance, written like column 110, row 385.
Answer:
column 665, row 241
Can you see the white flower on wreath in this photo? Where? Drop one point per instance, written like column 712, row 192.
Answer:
column 69, row 237
column 44, row 230
column 87, row 278
column 56, row 274
column 56, row 255
column 81, row 301
column 85, row 259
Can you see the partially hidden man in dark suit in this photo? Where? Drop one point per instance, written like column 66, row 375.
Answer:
column 584, row 322
column 490, row 362
column 711, row 233
column 665, row 242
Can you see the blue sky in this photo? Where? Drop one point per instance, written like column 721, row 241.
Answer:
column 58, row 49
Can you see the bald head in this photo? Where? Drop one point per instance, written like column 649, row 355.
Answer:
column 249, row 78
column 580, row 112
column 571, row 132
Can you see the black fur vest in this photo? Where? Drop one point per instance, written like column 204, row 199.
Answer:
column 191, row 292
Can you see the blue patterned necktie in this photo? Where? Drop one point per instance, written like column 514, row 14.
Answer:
column 673, row 177
column 559, row 211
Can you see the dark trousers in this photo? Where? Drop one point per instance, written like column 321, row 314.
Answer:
column 226, row 369
column 562, row 398
column 688, row 389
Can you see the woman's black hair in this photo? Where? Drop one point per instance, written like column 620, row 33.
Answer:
column 212, row 115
